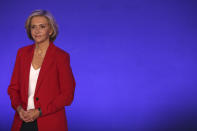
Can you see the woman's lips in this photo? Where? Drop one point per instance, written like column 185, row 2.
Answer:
column 38, row 36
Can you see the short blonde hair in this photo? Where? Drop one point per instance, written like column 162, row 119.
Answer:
column 50, row 19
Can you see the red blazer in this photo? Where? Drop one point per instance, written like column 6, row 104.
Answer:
column 54, row 90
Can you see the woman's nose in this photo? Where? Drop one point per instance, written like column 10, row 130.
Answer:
column 37, row 30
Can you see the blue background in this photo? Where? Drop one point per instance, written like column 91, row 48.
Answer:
column 134, row 61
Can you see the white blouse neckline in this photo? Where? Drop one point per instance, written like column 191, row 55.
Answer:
column 34, row 68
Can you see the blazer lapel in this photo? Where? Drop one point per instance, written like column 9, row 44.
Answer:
column 27, row 66
column 48, row 59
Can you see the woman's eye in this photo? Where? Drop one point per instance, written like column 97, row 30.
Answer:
column 42, row 26
column 32, row 27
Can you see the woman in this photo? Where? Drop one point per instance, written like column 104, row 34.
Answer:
column 42, row 82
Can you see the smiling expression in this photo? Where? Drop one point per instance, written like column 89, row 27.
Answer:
column 40, row 29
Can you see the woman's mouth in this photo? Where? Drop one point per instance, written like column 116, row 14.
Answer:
column 38, row 36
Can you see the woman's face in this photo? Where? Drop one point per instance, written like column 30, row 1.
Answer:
column 40, row 29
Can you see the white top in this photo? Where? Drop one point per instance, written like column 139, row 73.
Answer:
column 33, row 76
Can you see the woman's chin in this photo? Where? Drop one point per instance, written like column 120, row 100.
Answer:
column 38, row 41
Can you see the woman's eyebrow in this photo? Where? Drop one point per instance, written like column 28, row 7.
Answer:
column 37, row 24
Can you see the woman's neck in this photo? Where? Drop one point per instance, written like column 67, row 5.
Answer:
column 42, row 46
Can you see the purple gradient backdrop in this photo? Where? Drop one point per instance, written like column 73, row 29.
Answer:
column 134, row 61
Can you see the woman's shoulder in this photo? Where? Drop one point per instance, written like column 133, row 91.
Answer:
column 25, row 48
column 61, row 53
column 62, row 56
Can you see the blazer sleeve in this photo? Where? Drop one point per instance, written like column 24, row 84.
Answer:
column 67, row 86
column 14, row 87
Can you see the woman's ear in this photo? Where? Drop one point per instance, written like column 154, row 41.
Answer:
column 50, row 32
